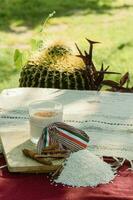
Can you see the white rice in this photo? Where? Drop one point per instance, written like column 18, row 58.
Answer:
column 83, row 168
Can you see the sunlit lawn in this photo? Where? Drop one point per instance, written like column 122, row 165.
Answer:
column 109, row 22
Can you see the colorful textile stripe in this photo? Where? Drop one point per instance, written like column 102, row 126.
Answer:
column 65, row 135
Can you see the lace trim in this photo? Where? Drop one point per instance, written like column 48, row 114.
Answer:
column 21, row 113
column 95, row 121
column 98, row 121
column 112, row 147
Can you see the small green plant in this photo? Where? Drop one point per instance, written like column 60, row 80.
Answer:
column 21, row 57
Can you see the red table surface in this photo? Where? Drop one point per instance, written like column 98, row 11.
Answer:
column 17, row 186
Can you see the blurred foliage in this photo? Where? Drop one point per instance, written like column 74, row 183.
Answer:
column 32, row 12
column 107, row 21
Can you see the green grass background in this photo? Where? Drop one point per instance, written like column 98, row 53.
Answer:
column 107, row 21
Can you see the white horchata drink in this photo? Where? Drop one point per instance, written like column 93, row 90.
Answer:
column 42, row 113
column 39, row 120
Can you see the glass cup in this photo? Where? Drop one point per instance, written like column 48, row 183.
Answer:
column 42, row 113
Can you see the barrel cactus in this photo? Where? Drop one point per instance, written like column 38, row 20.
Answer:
column 57, row 67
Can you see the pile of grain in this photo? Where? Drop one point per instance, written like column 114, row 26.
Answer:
column 83, row 168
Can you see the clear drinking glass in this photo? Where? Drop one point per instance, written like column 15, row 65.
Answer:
column 42, row 113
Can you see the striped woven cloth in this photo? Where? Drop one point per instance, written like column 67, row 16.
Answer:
column 65, row 135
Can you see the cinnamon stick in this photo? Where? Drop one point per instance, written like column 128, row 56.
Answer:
column 57, row 172
column 58, row 155
column 53, row 151
column 51, row 147
column 32, row 154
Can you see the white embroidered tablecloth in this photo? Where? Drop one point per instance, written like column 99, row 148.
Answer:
column 106, row 117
